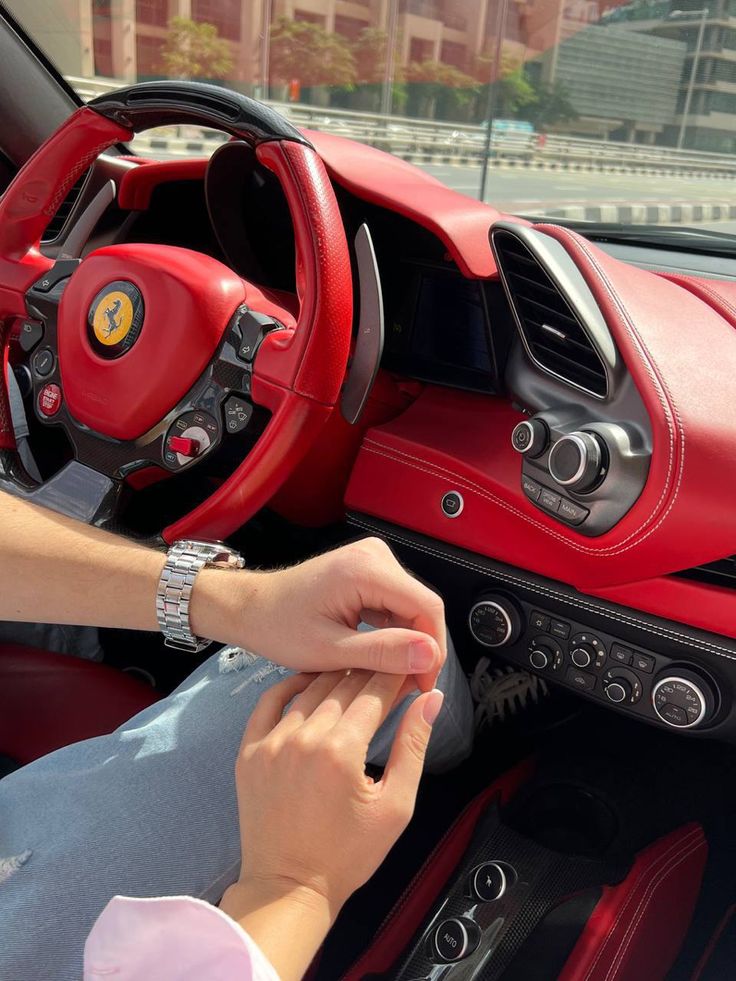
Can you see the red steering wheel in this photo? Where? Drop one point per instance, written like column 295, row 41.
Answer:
column 142, row 353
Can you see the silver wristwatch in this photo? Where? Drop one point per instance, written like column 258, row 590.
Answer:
column 184, row 561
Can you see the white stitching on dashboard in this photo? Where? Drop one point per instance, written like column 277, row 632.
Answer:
column 553, row 594
column 719, row 298
column 661, row 387
column 663, row 857
column 393, row 454
column 662, row 876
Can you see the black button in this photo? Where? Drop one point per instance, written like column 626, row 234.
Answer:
column 643, row 662
column 580, row 679
column 62, row 269
column 249, row 331
column 531, row 488
column 237, row 414
column 488, row 882
column 456, row 938
column 452, row 504
column 620, row 653
column 43, row 362
column 558, row 628
column 568, row 458
column 674, row 714
column 571, row 512
column 549, row 500
column 521, row 436
column 31, row 332
column 539, row 621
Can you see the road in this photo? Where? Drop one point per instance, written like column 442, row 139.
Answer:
column 530, row 191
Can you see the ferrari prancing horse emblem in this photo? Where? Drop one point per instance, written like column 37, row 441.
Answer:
column 115, row 319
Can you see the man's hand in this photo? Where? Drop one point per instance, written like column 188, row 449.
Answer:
column 313, row 826
column 305, row 617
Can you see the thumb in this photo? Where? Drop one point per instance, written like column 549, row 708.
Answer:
column 392, row 650
column 406, row 762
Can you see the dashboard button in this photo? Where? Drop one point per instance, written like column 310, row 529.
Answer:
column 452, row 504
column 673, row 714
column 530, row 437
column 488, row 882
column 618, row 691
column 571, row 512
column 540, row 621
column 643, row 662
column 621, row 654
column 531, row 488
column 549, row 500
column 456, row 938
column 580, row 679
column 558, row 628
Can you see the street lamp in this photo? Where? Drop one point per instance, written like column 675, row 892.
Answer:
column 674, row 15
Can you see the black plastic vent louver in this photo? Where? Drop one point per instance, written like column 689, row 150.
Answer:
column 553, row 335
column 54, row 227
column 720, row 573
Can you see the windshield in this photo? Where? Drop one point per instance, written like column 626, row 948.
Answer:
column 593, row 110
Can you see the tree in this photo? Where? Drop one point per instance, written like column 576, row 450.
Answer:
column 306, row 51
column 194, row 50
column 439, row 90
column 512, row 90
column 551, row 105
column 369, row 52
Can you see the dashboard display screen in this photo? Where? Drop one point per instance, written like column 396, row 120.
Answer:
column 438, row 328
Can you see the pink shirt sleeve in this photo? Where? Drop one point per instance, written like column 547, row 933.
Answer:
column 171, row 939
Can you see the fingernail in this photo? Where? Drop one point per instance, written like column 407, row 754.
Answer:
column 432, row 705
column 421, row 655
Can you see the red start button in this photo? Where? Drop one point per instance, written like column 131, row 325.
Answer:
column 49, row 400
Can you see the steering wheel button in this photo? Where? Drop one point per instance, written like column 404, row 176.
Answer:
column 237, row 414
column 185, row 445
column 31, row 332
column 50, row 400
column 44, row 362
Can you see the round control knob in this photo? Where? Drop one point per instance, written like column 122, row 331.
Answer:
column 494, row 621
column 540, row 657
column 530, row 437
column 488, row 882
column 618, row 690
column 576, row 461
column 582, row 655
column 455, row 938
column 682, row 701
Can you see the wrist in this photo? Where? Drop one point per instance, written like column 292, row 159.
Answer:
column 225, row 605
column 247, row 896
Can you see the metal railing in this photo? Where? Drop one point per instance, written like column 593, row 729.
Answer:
column 423, row 140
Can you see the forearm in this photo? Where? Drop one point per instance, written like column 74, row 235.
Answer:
column 289, row 925
column 57, row 570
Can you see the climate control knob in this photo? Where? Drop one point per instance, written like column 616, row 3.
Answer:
column 576, row 461
column 494, row 621
column 684, row 700
column 582, row 655
column 618, row 690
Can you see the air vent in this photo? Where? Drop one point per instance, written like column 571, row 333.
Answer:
column 553, row 335
column 55, row 226
column 721, row 573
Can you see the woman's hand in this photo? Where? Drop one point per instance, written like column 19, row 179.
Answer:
column 313, row 826
column 305, row 617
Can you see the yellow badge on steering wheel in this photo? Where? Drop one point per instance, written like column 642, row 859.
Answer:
column 113, row 318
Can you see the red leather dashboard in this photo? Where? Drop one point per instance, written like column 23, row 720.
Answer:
column 677, row 339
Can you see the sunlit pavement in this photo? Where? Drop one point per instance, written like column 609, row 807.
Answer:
column 525, row 191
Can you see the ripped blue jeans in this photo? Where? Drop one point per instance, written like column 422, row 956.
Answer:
column 148, row 810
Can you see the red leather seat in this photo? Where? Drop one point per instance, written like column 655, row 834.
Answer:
column 49, row 700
